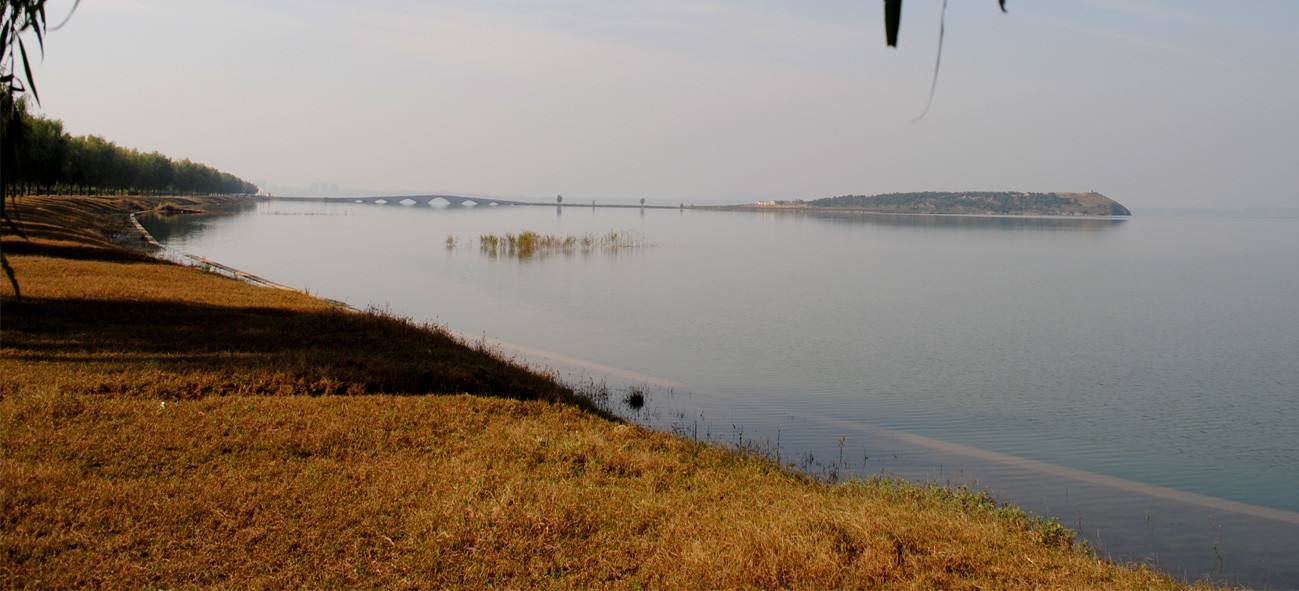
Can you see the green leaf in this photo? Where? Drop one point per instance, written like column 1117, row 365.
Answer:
column 40, row 38
column 892, row 21
column 66, row 18
column 39, row 26
column 27, row 67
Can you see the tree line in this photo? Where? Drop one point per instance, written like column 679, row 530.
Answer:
column 46, row 159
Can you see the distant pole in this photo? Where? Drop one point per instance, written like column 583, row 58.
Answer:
column 642, row 203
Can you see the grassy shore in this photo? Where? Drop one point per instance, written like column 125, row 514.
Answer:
column 164, row 427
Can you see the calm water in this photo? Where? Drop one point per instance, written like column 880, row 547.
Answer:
column 1091, row 370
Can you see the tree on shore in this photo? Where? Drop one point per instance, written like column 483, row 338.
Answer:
column 48, row 160
column 17, row 18
column 38, row 156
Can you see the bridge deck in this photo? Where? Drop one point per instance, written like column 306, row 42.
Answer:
column 462, row 201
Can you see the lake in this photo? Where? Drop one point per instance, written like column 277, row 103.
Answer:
column 1137, row 379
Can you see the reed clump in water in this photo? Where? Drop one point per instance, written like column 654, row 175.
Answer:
column 530, row 244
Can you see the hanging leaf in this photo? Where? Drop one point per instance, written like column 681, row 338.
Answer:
column 40, row 38
column 27, row 68
column 892, row 21
column 66, row 18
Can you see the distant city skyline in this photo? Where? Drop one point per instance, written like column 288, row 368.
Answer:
column 1154, row 103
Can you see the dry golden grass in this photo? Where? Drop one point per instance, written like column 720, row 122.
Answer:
column 98, row 319
column 149, row 437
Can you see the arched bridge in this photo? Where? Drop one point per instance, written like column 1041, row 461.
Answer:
column 435, row 200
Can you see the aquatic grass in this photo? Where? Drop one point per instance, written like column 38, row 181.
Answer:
column 528, row 244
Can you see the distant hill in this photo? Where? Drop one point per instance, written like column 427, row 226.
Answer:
column 979, row 202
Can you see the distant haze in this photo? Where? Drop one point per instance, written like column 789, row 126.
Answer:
column 1156, row 103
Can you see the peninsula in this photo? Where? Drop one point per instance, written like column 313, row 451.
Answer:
column 961, row 203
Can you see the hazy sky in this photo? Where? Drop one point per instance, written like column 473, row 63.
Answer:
column 1153, row 102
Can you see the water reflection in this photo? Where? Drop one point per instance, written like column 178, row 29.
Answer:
column 168, row 229
column 997, row 223
column 529, row 245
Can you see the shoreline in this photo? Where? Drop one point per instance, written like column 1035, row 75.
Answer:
column 525, row 350
column 423, row 460
column 1074, row 474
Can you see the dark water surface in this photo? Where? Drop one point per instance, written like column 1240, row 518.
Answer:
column 1137, row 379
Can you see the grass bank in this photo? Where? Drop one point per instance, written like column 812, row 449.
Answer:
column 164, row 427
